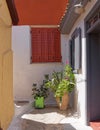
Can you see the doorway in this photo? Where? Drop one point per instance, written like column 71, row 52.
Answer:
column 93, row 76
column 92, row 24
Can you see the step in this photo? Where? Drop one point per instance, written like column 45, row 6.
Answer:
column 22, row 106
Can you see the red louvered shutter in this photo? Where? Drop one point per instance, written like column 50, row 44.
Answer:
column 46, row 45
column 51, row 48
column 57, row 41
column 36, row 45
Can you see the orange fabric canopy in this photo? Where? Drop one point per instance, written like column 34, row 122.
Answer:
column 40, row 12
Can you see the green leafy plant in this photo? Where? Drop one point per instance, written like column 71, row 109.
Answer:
column 62, row 82
column 41, row 91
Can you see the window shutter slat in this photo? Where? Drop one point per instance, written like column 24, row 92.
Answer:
column 57, row 46
column 51, row 50
column 36, row 45
column 44, row 45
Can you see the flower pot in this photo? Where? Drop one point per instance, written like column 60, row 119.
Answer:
column 63, row 101
column 39, row 102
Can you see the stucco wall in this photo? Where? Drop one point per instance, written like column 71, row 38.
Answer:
column 80, row 97
column 6, row 79
column 25, row 73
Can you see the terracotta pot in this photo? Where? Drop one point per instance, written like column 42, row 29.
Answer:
column 63, row 102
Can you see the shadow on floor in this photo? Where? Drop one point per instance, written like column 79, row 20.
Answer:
column 69, row 112
column 48, row 118
column 33, row 125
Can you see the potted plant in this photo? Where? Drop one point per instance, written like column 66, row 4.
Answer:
column 40, row 93
column 62, row 83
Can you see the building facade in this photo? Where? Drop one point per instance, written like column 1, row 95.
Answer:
column 6, row 64
column 82, row 29
column 79, row 32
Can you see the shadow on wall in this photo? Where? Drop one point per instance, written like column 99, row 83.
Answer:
column 76, row 104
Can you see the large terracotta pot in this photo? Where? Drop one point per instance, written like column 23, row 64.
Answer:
column 63, row 102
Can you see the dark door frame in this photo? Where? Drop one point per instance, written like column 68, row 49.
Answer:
column 91, row 13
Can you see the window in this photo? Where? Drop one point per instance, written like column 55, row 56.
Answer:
column 75, row 50
column 46, row 45
column 95, row 19
column 71, row 55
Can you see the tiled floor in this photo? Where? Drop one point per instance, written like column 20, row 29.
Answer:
column 49, row 118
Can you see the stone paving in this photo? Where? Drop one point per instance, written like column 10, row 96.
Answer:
column 49, row 118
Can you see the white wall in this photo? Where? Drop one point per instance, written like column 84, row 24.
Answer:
column 24, row 73
column 64, row 41
column 80, row 92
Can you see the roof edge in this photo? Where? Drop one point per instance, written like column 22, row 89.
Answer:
column 70, row 17
column 13, row 11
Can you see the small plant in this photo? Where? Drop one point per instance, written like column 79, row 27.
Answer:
column 55, row 81
column 62, row 83
column 67, row 83
column 40, row 93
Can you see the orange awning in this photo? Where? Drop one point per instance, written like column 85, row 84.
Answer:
column 40, row 12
